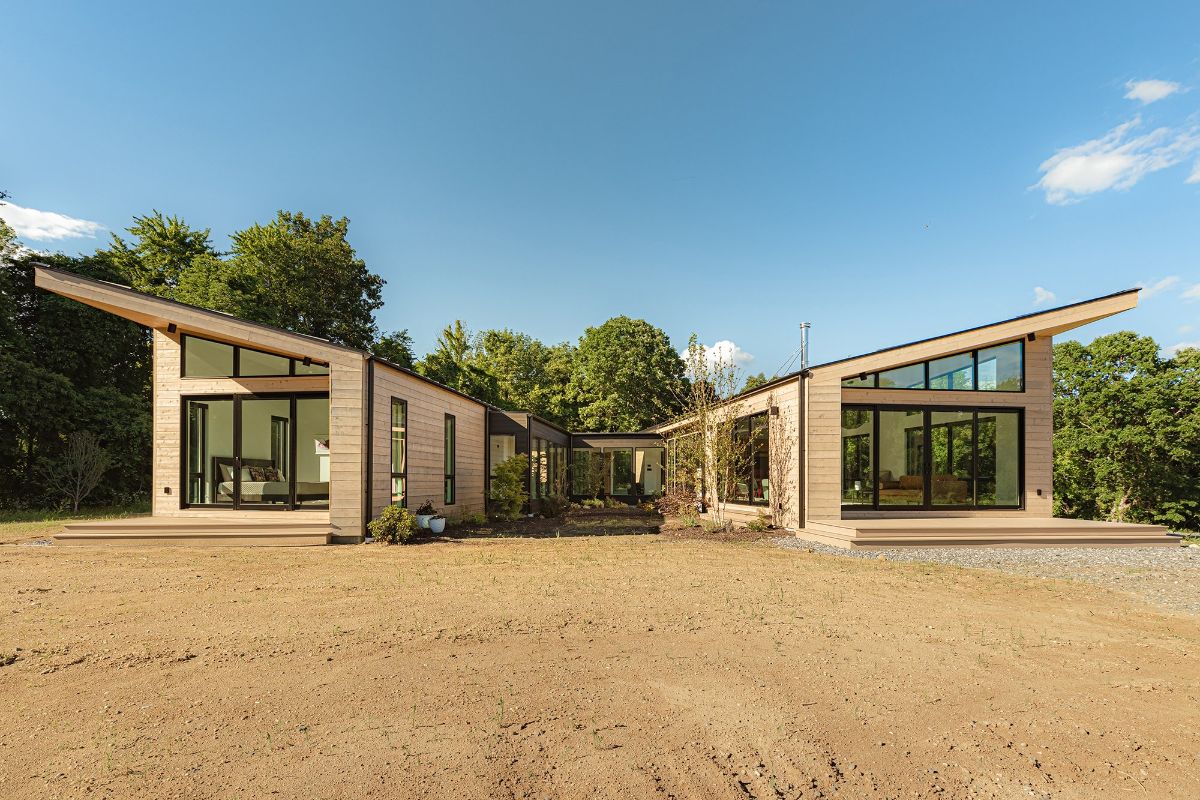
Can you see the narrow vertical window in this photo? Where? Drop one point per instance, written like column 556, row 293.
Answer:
column 449, row 448
column 399, row 452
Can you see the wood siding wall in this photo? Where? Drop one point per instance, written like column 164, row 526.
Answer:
column 345, row 385
column 428, row 406
column 825, row 399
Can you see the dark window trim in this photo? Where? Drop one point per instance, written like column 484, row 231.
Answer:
column 237, row 399
column 927, row 411
column 450, row 455
column 874, row 376
column 237, row 361
column 766, row 415
column 392, row 451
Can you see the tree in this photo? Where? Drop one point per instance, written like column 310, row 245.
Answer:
column 1127, row 432
column 626, row 376
column 702, row 438
column 508, row 487
column 754, row 381
column 162, row 250
column 302, row 275
column 451, row 364
column 79, row 470
column 529, row 375
column 396, row 347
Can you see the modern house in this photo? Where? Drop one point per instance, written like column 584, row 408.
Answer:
column 947, row 440
column 262, row 436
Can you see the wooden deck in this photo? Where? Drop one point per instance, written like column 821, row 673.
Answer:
column 984, row 531
column 268, row 528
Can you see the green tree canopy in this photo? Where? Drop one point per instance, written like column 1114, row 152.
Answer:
column 452, row 364
column 161, row 250
column 396, row 347
column 627, row 376
column 529, row 375
column 754, row 381
column 1127, row 432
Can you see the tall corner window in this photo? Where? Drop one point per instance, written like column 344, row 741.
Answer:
column 1002, row 368
column 399, row 452
column 449, row 458
column 753, row 483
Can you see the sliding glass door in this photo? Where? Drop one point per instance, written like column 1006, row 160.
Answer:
column 927, row 458
column 266, row 452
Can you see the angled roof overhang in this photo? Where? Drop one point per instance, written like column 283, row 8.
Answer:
column 160, row 312
column 1050, row 322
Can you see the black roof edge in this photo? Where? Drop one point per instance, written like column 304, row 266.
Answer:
column 181, row 304
column 977, row 328
column 367, row 354
column 807, row 372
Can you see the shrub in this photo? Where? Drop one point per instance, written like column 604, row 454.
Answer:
column 508, row 487
column 554, row 505
column 592, row 502
column 647, row 506
column 612, row 502
column 426, row 510
column 689, row 519
column 714, row 526
column 759, row 524
column 394, row 525
column 676, row 502
column 474, row 518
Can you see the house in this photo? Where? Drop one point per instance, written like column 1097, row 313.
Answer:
column 947, row 440
column 262, row 436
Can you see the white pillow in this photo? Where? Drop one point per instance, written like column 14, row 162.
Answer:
column 246, row 474
column 226, row 472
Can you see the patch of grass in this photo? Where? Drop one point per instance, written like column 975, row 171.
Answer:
column 20, row 525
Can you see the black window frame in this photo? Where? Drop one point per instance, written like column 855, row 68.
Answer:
column 403, row 475
column 873, row 377
column 449, row 458
column 927, row 457
column 751, row 428
column 237, row 398
column 237, row 361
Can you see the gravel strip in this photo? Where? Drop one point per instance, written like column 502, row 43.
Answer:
column 1165, row 576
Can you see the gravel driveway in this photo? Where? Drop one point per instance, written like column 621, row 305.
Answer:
column 1165, row 576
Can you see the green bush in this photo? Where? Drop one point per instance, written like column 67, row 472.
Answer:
column 474, row 518
column 612, row 502
column 554, row 506
column 759, row 524
column 508, row 487
column 394, row 525
column 592, row 502
column 689, row 519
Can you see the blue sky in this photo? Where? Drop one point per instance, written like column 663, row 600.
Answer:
column 885, row 172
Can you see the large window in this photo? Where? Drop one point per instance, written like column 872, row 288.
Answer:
column 926, row 458
column 449, row 458
column 753, row 484
column 204, row 358
column 990, row 369
column 399, row 458
column 268, row 451
column 501, row 447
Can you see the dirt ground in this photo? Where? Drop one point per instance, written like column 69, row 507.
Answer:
column 594, row 666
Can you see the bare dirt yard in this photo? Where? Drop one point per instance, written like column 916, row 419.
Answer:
column 630, row 666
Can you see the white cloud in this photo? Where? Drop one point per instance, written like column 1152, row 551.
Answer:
column 1150, row 290
column 725, row 351
column 1195, row 176
column 1192, row 292
column 1175, row 348
column 1183, row 330
column 1150, row 91
column 1042, row 296
column 47, row 226
column 1112, row 161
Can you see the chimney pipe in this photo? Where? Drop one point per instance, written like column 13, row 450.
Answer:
column 804, row 326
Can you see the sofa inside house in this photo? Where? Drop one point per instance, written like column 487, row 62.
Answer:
column 909, row 490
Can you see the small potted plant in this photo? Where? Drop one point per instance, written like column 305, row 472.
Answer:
column 425, row 513
column 437, row 523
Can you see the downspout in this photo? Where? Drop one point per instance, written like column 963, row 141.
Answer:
column 369, row 483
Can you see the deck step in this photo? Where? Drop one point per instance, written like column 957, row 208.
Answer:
column 1000, row 532
column 196, row 532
